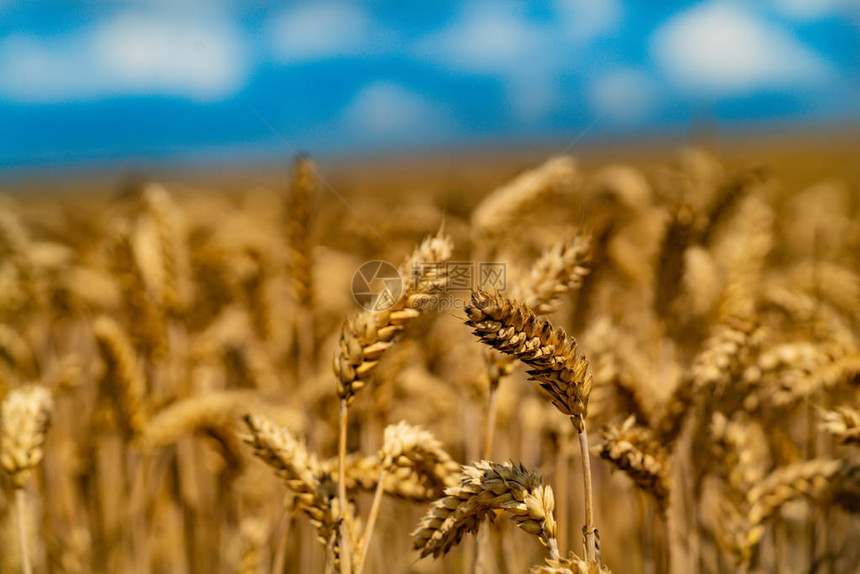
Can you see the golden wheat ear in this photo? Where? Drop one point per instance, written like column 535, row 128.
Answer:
column 24, row 417
column 484, row 488
column 367, row 335
column 633, row 450
column 573, row 564
column 843, row 423
column 555, row 364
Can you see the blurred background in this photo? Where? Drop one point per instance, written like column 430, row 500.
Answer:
column 128, row 85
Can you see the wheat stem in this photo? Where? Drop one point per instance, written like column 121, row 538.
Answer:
column 281, row 549
column 552, row 544
column 592, row 548
column 371, row 520
column 345, row 547
column 21, row 506
column 490, row 431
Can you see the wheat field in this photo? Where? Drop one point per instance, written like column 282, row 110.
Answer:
column 646, row 366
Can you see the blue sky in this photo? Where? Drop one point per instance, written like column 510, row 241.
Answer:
column 122, row 83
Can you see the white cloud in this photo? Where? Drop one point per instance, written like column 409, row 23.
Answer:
column 585, row 20
column 815, row 9
column 496, row 39
column 386, row 109
column 624, row 96
column 486, row 38
column 317, row 31
column 723, row 49
column 131, row 53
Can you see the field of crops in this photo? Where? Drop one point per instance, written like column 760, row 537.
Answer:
column 576, row 367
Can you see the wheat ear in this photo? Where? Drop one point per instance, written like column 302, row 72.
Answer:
column 167, row 218
column 843, row 423
column 744, row 526
column 366, row 336
column 123, row 380
column 633, row 450
column 363, row 472
column 24, row 416
column 725, row 354
column 573, row 564
column 407, row 446
column 298, row 468
column 145, row 319
column 498, row 212
column 485, row 487
column 556, row 366
column 298, row 217
column 561, row 268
